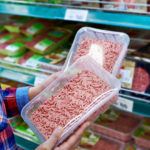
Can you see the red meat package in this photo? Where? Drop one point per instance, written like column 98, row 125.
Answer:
column 117, row 124
column 142, row 134
column 107, row 143
column 36, row 26
column 49, row 41
column 106, row 47
column 80, row 92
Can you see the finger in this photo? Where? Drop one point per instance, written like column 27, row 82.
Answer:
column 50, row 143
column 50, row 79
column 74, row 138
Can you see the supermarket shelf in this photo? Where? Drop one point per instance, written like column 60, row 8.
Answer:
column 90, row 16
column 25, row 142
column 133, row 105
column 20, row 76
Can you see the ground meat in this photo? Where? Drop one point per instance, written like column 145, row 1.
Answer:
column 106, row 144
column 68, row 102
column 124, row 124
column 122, row 127
column 143, row 143
column 140, row 80
column 110, row 52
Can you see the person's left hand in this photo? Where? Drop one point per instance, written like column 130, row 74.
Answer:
column 33, row 91
column 70, row 144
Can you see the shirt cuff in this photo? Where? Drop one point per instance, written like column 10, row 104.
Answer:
column 22, row 97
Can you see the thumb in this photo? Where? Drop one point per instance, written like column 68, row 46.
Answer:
column 50, row 143
column 55, row 137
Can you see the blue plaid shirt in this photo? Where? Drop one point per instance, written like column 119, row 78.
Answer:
column 12, row 101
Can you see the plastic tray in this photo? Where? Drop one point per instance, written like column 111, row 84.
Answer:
column 84, row 63
column 109, row 141
column 12, row 48
column 145, row 143
column 4, row 37
column 142, row 142
column 126, row 137
column 133, row 146
column 87, row 32
column 36, row 26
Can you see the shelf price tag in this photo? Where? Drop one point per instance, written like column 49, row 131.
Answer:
column 76, row 14
column 124, row 104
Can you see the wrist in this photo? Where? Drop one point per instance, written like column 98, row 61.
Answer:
column 33, row 91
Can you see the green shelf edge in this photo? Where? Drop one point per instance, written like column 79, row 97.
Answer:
column 17, row 76
column 97, row 17
column 25, row 143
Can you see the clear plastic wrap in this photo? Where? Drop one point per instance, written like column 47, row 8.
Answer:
column 97, row 50
column 108, row 143
column 142, row 134
column 84, row 63
column 112, row 123
column 49, row 41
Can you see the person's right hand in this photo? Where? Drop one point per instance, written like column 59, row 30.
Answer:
column 70, row 144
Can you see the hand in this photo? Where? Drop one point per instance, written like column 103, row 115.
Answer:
column 70, row 144
column 33, row 91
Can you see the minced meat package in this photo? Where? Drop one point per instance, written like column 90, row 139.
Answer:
column 71, row 99
column 47, row 42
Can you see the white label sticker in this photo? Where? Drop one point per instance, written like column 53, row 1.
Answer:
column 12, row 48
column 41, row 47
column 76, row 14
column 126, row 76
column 2, row 40
column 124, row 104
column 31, row 30
column 10, row 59
column 39, row 80
column 31, row 63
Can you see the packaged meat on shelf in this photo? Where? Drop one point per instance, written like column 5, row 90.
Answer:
column 127, row 73
column 133, row 146
column 136, row 76
column 108, row 143
column 87, row 87
column 89, row 139
column 53, row 61
column 117, row 124
column 5, row 36
column 49, row 41
column 142, row 134
column 36, row 26
column 20, row 127
column 12, row 48
column 15, row 22
column 94, row 141
column 9, row 45
column 102, row 45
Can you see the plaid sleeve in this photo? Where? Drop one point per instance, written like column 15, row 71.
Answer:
column 3, row 120
column 9, row 98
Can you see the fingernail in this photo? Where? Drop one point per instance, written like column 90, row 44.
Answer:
column 59, row 129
